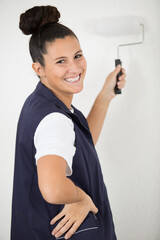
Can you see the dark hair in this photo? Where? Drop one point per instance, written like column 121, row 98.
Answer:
column 42, row 23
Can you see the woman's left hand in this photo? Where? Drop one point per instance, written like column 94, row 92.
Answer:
column 110, row 83
column 73, row 215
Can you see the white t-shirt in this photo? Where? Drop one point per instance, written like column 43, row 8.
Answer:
column 55, row 135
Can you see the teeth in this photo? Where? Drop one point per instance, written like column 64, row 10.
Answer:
column 72, row 79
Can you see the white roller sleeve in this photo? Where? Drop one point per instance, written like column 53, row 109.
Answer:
column 115, row 26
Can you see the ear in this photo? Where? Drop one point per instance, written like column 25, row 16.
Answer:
column 39, row 69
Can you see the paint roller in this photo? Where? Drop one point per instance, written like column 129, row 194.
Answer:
column 117, row 26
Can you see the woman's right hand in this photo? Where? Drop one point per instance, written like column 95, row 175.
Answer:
column 73, row 215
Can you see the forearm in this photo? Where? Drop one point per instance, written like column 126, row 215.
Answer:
column 66, row 192
column 97, row 115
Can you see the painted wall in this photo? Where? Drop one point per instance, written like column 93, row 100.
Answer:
column 128, row 146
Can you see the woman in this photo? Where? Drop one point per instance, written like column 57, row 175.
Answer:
column 58, row 189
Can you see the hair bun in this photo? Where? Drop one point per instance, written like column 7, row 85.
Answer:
column 36, row 17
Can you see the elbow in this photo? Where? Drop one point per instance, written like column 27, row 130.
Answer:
column 52, row 194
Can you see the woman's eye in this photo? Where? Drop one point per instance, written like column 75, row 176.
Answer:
column 61, row 61
column 78, row 56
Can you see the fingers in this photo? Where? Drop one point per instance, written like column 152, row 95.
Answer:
column 60, row 226
column 73, row 229
column 95, row 210
column 117, row 69
column 64, row 225
column 123, row 70
column 123, row 74
column 57, row 217
column 121, row 83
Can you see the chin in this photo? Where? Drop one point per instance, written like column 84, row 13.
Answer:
column 78, row 90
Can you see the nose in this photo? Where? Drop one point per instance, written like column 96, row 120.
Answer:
column 73, row 68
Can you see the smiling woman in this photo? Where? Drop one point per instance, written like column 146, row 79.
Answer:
column 65, row 75
column 58, row 189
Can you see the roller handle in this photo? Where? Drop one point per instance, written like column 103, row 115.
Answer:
column 116, row 89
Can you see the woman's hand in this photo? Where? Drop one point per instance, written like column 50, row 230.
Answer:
column 73, row 215
column 110, row 83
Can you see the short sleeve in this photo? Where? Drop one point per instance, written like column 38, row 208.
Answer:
column 55, row 135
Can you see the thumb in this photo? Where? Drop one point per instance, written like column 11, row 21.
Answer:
column 95, row 210
column 117, row 69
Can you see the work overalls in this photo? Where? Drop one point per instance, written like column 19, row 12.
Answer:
column 31, row 214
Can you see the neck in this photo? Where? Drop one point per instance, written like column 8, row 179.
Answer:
column 64, row 97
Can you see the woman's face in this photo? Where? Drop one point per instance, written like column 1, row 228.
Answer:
column 65, row 67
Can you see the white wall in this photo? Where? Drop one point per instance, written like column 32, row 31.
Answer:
column 128, row 146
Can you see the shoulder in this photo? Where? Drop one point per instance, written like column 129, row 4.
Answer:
column 56, row 118
column 55, row 124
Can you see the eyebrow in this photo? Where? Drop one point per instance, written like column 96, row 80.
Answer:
column 66, row 57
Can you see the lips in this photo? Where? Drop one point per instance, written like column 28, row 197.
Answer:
column 73, row 79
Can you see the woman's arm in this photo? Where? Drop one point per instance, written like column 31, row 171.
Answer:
column 99, row 109
column 97, row 116
column 55, row 187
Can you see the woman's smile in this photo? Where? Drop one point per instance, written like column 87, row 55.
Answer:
column 73, row 79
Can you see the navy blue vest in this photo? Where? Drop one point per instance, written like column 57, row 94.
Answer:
column 31, row 214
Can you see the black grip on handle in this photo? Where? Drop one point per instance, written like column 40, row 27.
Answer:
column 116, row 89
